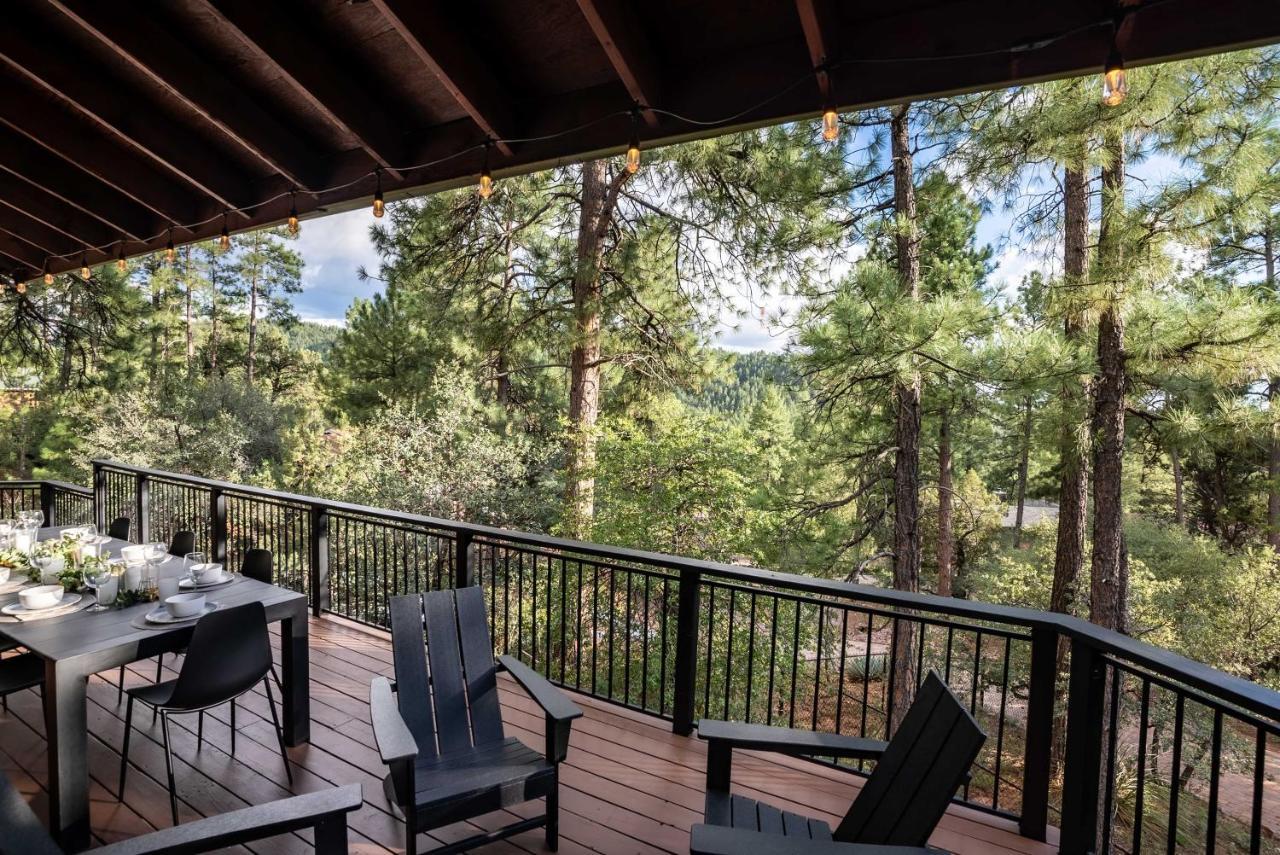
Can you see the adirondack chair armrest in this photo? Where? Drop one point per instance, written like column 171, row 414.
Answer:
column 393, row 737
column 724, row 736
column 325, row 811
column 719, row 840
column 559, row 710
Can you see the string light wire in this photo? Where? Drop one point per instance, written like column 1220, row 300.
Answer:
column 485, row 144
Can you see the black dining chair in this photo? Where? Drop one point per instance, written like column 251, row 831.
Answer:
column 119, row 528
column 229, row 654
column 258, row 564
column 23, row 671
column 182, row 543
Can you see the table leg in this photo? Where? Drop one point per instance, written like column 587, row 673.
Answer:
column 67, row 726
column 296, row 676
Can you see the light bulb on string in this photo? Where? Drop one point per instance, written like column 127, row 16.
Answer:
column 224, row 238
column 1115, row 83
column 20, row 287
column 486, row 177
column 633, row 149
column 48, row 276
column 379, row 207
column 294, row 225
column 830, row 125
column 85, row 272
column 121, row 264
column 169, row 252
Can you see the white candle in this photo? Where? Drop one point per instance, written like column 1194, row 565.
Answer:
column 23, row 542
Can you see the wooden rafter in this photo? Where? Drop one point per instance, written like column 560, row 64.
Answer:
column 15, row 251
column 53, row 212
column 184, row 74
column 304, row 61
column 618, row 30
column 112, row 103
column 45, row 171
column 445, row 51
column 813, row 17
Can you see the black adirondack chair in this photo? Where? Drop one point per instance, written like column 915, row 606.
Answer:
column 325, row 811
column 915, row 777
column 439, row 729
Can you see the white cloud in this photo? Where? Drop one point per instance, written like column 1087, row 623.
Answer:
column 340, row 242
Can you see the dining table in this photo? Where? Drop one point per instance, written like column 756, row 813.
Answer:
column 76, row 645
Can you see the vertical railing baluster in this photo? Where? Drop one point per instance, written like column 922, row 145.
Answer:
column 1085, row 701
column 463, row 572
column 99, row 496
column 1038, row 749
column 47, row 504
column 142, row 485
column 686, row 664
column 217, row 525
column 318, row 550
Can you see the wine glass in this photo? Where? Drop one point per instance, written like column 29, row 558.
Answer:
column 189, row 561
column 30, row 517
column 99, row 573
column 49, row 565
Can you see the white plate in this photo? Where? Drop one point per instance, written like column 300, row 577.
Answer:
column 161, row 615
column 188, row 585
column 67, row 601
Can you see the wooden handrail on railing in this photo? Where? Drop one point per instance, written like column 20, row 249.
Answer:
column 557, row 603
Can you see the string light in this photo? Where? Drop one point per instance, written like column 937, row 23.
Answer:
column 830, row 125
column 294, row 225
column 1115, row 88
column 48, row 277
column 85, row 273
column 20, row 287
column 224, row 239
column 379, row 208
column 633, row 150
column 486, row 177
column 121, row 264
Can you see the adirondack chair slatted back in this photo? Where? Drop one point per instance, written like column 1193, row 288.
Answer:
column 446, row 687
column 918, row 774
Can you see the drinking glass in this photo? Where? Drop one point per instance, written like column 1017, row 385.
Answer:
column 100, row 573
column 34, row 518
column 48, row 565
column 190, row 560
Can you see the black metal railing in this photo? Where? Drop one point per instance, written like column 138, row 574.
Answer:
column 1137, row 747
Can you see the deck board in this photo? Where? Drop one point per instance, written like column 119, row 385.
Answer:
column 629, row 786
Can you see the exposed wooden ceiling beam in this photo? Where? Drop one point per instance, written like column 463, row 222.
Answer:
column 305, row 61
column 618, row 30
column 196, row 83
column 114, row 106
column 814, row 18
column 53, row 212
column 446, row 51
column 19, row 252
column 23, row 158
column 83, row 150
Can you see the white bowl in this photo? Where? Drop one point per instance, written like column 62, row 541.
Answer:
column 185, row 605
column 206, row 574
column 134, row 554
column 40, row 597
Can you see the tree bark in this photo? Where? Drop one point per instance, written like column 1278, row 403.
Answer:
column 188, row 319
column 1023, row 462
column 1273, row 390
column 599, row 199
column 946, row 533
column 906, row 397
column 251, row 354
column 1073, row 488
column 1108, row 593
column 1179, row 503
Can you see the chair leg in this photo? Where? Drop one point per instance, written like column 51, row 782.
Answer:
column 200, row 730
column 553, row 815
column 124, row 751
column 275, row 720
column 410, row 831
column 120, row 687
column 233, row 727
column 168, row 767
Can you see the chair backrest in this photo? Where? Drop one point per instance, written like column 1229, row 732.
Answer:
column 445, row 676
column 182, row 543
column 119, row 528
column 918, row 774
column 230, row 651
column 257, row 565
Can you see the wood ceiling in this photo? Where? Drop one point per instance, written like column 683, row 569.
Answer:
column 120, row 119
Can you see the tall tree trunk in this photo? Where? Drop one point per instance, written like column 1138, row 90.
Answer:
column 906, row 397
column 1073, row 488
column 213, row 324
column 188, row 318
column 1273, row 397
column 946, row 533
column 251, row 354
column 599, row 199
column 1179, row 503
column 64, row 371
column 1023, row 462
column 1109, row 588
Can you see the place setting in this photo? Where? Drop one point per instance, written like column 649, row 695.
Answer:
column 183, row 600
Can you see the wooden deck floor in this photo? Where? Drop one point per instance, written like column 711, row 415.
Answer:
column 629, row 785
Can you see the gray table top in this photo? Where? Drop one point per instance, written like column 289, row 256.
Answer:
column 84, row 633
